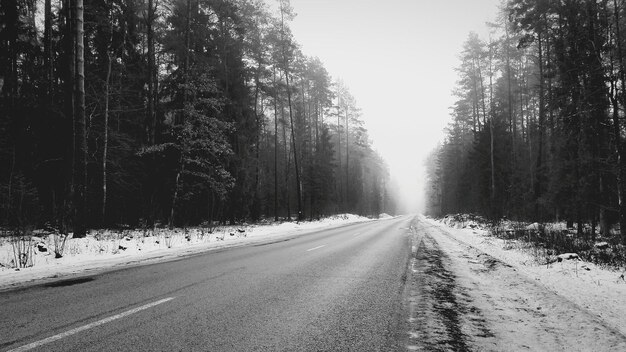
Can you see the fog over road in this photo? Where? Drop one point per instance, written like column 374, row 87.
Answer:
column 339, row 289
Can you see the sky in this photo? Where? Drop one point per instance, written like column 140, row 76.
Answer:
column 398, row 59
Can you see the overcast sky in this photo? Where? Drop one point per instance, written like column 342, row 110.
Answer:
column 398, row 58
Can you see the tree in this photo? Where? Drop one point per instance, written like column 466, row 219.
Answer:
column 547, row 112
column 132, row 113
column 286, row 49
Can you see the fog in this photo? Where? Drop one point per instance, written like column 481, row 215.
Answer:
column 398, row 59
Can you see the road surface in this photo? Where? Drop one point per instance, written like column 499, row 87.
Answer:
column 340, row 289
column 402, row 284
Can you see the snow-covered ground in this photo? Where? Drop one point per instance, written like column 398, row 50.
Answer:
column 568, row 303
column 105, row 249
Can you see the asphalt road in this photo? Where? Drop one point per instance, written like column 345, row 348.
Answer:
column 339, row 289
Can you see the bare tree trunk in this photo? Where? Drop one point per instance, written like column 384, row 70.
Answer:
column 493, row 164
column 105, row 139
column 475, row 108
column 65, row 213
column 150, row 123
column 482, row 91
column 8, row 75
column 181, row 162
column 512, row 121
column 257, row 148
column 151, row 74
column 621, row 164
column 177, row 186
column 491, row 137
column 9, row 81
column 8, row 206
column 187, row 45
column 105, row 147
column 293, row 131
column 339, row 178
column 523, row 101
column 275, row 146
column 538, row 171
column 287, row 164
column 48, row 49
column 80, row 164
column 304, row 152
column 295, row 151
column 317, row 123
column 347, row 160
column 551, row 128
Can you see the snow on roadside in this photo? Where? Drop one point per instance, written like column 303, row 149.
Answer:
column 106, row 249
column 599, row 290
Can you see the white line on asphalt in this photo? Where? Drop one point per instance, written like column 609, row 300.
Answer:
column 356, row 234
column 36, row 344
column 314, row 248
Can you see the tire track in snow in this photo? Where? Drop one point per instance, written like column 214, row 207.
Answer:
column 441, row 315
column 521, row 313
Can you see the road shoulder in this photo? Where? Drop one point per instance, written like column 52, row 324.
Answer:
column 497, row 308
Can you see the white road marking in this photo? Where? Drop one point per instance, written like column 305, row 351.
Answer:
column 314, row 248
column 356, row 234
column 36, row 344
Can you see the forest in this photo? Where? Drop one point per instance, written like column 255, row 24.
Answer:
column 538, row 130
column 150, row 113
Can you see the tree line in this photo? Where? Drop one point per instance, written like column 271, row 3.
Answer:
column 537, row 130
column 177, row 112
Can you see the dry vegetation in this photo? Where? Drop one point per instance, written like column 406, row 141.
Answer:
column 549, row 240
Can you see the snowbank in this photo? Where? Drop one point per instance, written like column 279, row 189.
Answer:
column 107, row 248
column 463, row 221
column 599, row 290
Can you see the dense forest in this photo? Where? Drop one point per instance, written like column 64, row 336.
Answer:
column 173, row 112
column 537, row 130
